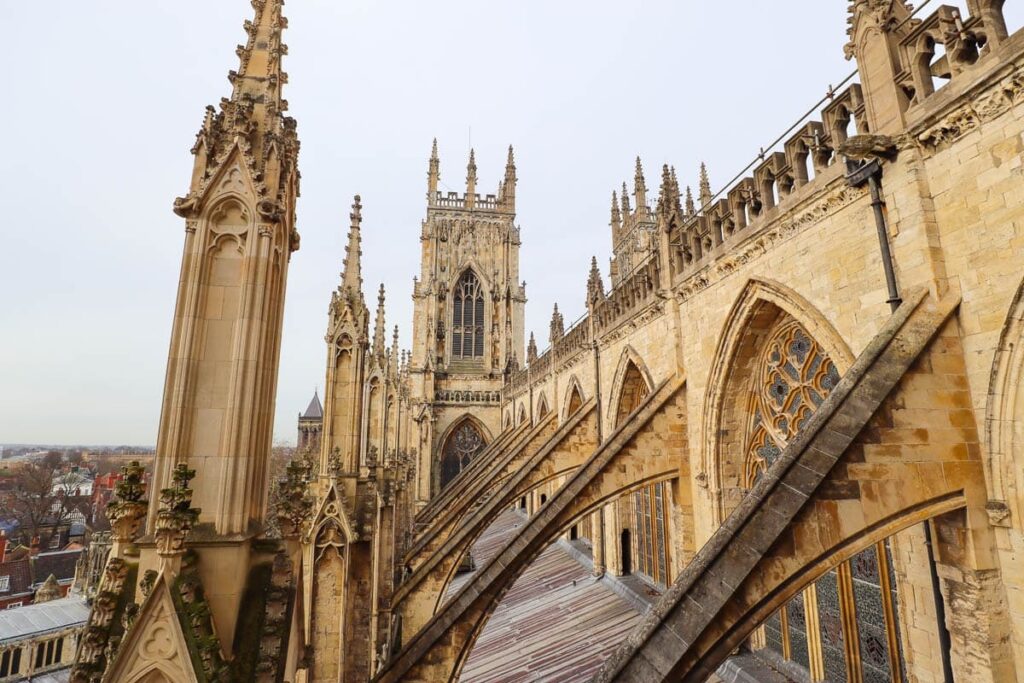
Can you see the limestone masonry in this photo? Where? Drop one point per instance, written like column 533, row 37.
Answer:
column 785, row 441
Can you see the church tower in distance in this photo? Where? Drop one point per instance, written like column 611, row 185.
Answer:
column 468, row 321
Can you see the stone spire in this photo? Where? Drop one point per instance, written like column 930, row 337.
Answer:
column 669, row 201
column 626, row 210
column 691, row 210
column 471, row 180
column 352, row 272
column 259, row 77
column 531, row 351
column 433, row 173
column 508, row 187
column 379, row 329
column 252, row 119
column 616, row 218
column 705, row 187
column 640, row 187
column 557, row 326
column 595, row 285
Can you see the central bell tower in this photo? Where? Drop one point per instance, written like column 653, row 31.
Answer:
column 468, row 321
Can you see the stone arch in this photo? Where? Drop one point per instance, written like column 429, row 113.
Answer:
column 757, row 312
column 464, row 439
column 632, row 382
column 573, row 398
column 542, row 406
column 521, row 416
column 1004, row 420
column 507, row 422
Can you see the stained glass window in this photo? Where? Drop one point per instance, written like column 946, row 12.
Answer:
column 459, row 450
column 650, row 511
column 793, row 378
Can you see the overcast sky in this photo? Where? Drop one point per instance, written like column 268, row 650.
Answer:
column 104, row 99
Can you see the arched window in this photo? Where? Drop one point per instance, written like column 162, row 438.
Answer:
column 462, row 445
column 792, row 378
column 468, row 317
column 634, row 391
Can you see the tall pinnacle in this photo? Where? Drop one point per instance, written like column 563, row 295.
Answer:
column 378, row 328
column 626, row 210
column 433, row 173
column 531, row 350
column 259, row 78
column 595, row 285
column 616, row 217
column 690, row 208
column 557, row 326
column 471, row 180
column 394, row 352
column 352, row 272
column 705, row 186
column 508, row 186
column 640, row 187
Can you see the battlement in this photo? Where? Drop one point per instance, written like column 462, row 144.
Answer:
column 504, row 201
column 453, row 200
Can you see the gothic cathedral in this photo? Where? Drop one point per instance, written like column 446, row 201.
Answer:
column 784, row 443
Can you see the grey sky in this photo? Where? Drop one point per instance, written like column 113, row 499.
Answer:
column 105, row 97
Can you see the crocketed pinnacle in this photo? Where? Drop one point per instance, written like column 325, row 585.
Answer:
column 531, row 350
column 705, row 186
column 616, row 216
column 259, row 78
column 626, row 210
column 352, row 272
column 379, row 328
column 640, row 186
column 595, row 285
column 690, row 208
column 557, row 325
column 471, row 174
column 433, row 172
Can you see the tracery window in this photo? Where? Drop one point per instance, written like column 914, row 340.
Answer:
column 468, row 317
column 463, row 444
column 793, row 376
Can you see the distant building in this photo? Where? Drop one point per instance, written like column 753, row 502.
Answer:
column 311, row 426
column 39, row 639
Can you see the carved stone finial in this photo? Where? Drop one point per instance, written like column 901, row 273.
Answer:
column 294, row 504
column 176, row 516
column 128, row 508
column 50, row 590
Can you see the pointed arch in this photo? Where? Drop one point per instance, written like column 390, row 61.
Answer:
column 461, row 442
column 631, row 384
column 762, row 310
column 1004, row 420
column 542, row 406
column 521, row 416
column 573, row 398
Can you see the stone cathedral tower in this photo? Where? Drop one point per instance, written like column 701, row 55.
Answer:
column 468, row 321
